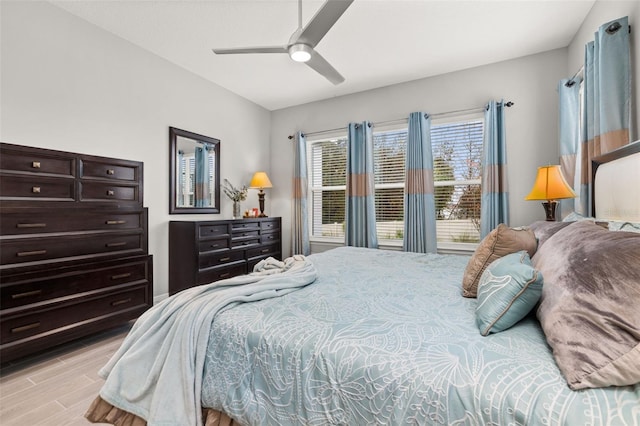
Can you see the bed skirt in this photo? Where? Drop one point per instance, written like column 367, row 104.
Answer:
column 101, row 411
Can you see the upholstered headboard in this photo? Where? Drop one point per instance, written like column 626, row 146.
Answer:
column 616, row 188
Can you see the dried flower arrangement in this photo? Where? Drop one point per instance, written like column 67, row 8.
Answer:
column 234, row 193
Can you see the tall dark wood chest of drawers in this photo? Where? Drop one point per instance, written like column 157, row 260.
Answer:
column 73, row 247
column 205, row 251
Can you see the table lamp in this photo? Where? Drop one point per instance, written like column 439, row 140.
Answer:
column 550, row 185
column 260, row 180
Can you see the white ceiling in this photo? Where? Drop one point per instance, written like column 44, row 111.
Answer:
column 375, row 43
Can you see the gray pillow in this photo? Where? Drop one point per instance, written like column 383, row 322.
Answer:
column 508, row 290
column 589, row 309
column 543, row 230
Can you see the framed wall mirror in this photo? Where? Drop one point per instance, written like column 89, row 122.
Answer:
column 194, row 182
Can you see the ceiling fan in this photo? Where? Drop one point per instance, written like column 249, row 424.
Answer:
column 301, row 45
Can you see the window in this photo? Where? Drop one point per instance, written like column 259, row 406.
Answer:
column 457, row 154
column 327, row 177
column 186, row 179
column 457, row 169
column 389, row 151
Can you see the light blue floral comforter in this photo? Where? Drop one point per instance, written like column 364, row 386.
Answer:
column 386, row 338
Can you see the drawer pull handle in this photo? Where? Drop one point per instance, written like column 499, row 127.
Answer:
column 214, row 245
column 225, row 259
column 35, row 164
column 31, row 253
column 120, row 276
column 116, row 222
column 25, row 327
column 31, row 225
column 111, row 172
column 265, row 250
column 26, row 294
column 118, row 244
column 225, row 275
column 120, row 302
column 35, row 189
column 110, row 193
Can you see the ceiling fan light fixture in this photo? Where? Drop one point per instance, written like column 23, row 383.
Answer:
column 300, row 52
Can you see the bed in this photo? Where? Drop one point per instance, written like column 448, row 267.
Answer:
column 382, row 337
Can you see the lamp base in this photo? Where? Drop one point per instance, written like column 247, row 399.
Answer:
column 261, row 203
column 550, row 210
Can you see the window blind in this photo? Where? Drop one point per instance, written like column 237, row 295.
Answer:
column 457, row 158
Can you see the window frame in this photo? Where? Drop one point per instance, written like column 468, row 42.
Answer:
column 387, row 244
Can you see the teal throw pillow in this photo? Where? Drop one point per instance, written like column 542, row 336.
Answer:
column 508, row 290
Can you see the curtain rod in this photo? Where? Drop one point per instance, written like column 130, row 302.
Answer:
column 571, row 81
column 403, row 120
column 581, row 69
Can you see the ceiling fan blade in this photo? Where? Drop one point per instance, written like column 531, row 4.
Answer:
column 319, row 64
column 272, row 49
column 322, row 21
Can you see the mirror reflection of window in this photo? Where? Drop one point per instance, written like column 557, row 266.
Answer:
column 195, row 174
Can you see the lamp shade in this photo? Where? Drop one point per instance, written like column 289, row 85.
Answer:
column 550, row 185
column 260, row 180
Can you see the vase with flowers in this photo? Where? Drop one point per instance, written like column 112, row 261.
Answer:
column 236, row 195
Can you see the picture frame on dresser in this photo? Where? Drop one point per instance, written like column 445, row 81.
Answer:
column 74, row 254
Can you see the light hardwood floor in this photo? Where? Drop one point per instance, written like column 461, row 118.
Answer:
column 56, row 387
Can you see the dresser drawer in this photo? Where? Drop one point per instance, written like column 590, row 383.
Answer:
column 212, row 230
column 97, row 169
column 36, row 163
column 213, row 245
column 107, row 191
column 269, row 237
column 208, row 260
column 48, row 319
column 38, row 188
column 67, row 220
column 245, row 237
column 21, row 250
column 269, row 225
column 244, row 225
column 264, row 251
column 93, row 278
column 245, row 242
column 221, row 273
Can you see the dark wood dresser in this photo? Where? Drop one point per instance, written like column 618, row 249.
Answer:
column 205, row 251
column 73, row 247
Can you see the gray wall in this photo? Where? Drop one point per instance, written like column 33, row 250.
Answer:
column 68, row 85
column 531, row 124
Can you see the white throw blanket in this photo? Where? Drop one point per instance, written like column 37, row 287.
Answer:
column 157, row 372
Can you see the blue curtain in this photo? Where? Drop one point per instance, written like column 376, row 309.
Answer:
column 360, row 197
column 607, row 99
column 201, row 177
column 419, row 202
column 569, row 107
column 300, row 235
column 495, row 194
